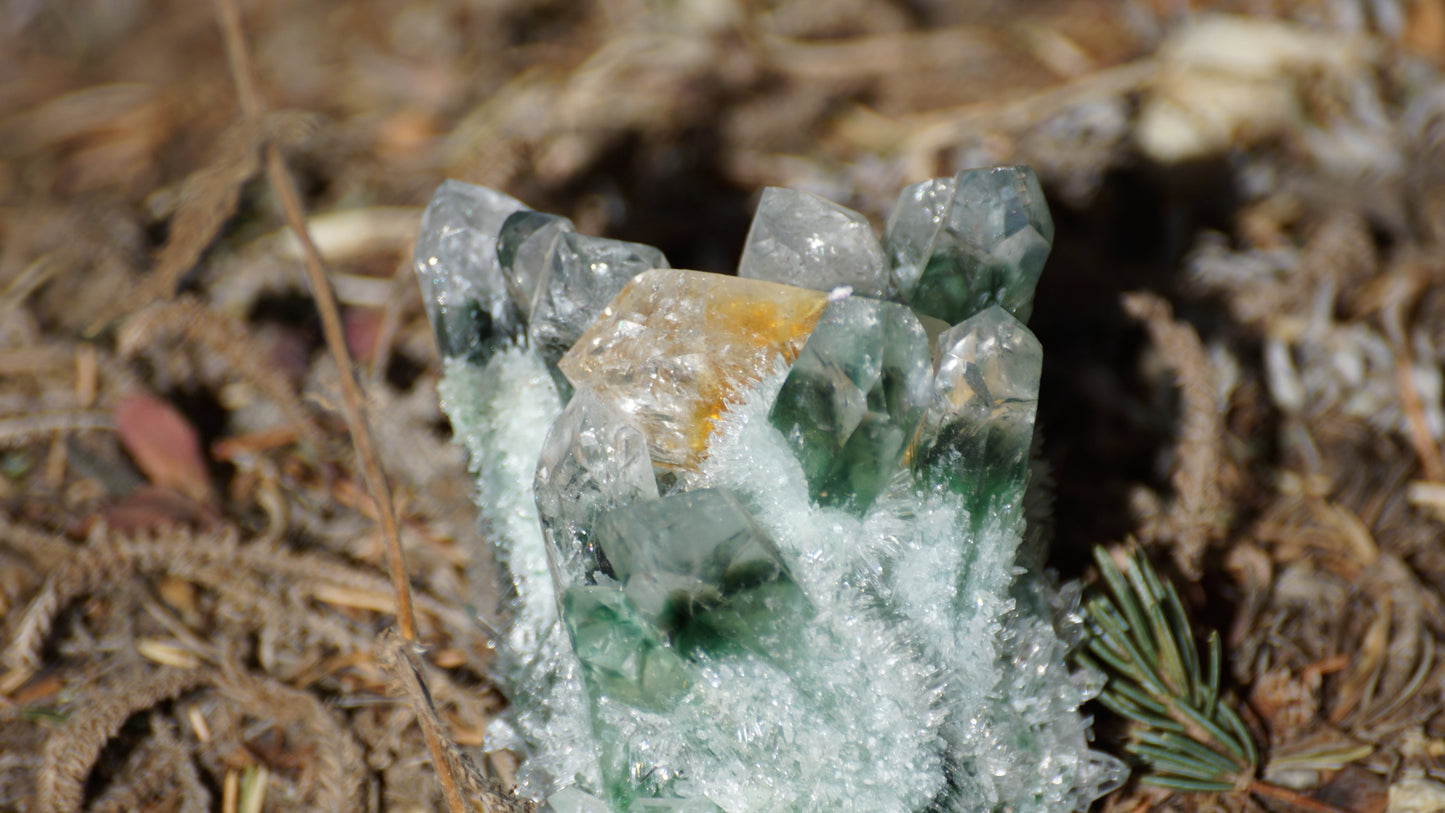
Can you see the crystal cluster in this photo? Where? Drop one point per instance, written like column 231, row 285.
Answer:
column 764, row 531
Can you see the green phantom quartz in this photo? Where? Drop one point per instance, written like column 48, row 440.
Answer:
column 623, row 654
column 698, row 566
column 854, row 398
column 980, row 426
column 979, row 238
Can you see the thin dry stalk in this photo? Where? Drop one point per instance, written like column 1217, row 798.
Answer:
column 284, row 185
column 406, row 671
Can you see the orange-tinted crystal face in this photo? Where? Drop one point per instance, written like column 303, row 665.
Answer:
column 675, row 347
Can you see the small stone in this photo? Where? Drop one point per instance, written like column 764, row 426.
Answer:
column 698, row 566
column 960, row 244
column 585, row 274
column 526, row 246
column 981, row 424
column 854, row 398
column 594, row 460
column 457, row 269
column 623, row 654
column 798, row 238
column 675, row 347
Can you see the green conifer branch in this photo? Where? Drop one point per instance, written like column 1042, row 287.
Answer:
column 1141, row 639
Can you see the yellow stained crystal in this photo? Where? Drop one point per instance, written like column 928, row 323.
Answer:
column 675, row 347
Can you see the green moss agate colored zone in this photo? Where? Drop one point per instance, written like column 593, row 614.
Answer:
column 852, row 401
column 979, row 238
column 698, row 567
column 774, row 561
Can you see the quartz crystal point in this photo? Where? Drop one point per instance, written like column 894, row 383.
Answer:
column 855, row 396
column 960, row 244
column 698, row 566
column 981, row 423
column 526, row 245
column 594, row 460
column 798, row 238
column 676, row 346
column 456, row 266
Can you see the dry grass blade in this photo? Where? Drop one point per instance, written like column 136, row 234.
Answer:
column 1201, row 465
column 110, row 559
column 71, row 751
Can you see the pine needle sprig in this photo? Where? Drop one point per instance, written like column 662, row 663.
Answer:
column 1185, row 736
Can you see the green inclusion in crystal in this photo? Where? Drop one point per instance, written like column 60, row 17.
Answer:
column 698, row 566
column 960, row 244
column 978, row 432
column 623, row 655
column 854, row 398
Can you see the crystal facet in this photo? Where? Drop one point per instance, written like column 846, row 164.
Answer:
column 854, row 398
column 798, row 238
column 525, row 248
column 981, row 423
column 586, row 273
column 696, row 564
column 594, row 460
column 960, row 244
column 456, row 266
column 622, row 652
column 676, row 346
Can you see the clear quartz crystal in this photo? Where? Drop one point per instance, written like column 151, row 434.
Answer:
column 457, row 269
column 960, row 244
column 981, row 423
column 526, row 245
column 594, row 460
column 798, row 238
column 586, row 273
column 853, row 399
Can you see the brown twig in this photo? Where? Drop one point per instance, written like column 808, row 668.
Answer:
column 281, row 181
column 1294, row 799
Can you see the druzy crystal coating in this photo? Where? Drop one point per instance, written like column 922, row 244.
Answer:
column 765, row 534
